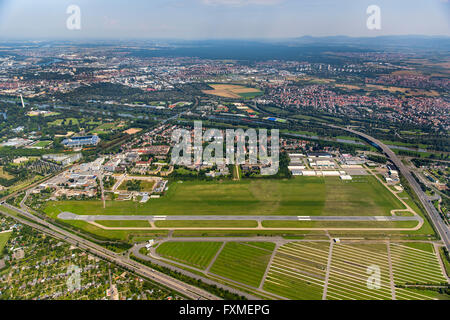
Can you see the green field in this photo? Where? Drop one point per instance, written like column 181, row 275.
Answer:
column 42, row 144
column 5, row 175
column 339, row 224
column 3, row 239
column 349, row 272
column 196, row 254
column 124, row 223
column 146, row 186
column 104, row 128
column 122, row 235
column 66, row 121
column 298, row 196
column 242, row 262
column 207, row 224
column 250, row 95
column 298, row 271
column 417, row 264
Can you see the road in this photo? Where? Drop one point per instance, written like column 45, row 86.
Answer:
column 438, row 222
column 165, row 280
column 72, row 216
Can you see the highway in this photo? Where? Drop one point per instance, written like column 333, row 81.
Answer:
column 435, row 217
column 165, row 280
column 72, row 216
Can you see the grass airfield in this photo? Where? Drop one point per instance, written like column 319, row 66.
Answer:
column 310, row 196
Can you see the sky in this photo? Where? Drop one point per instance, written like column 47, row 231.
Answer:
column 219, row 19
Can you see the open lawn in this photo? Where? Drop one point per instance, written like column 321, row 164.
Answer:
column 242, row 262
column 42, row 144
column 298, row 196
column 4, row 236
column 124, row 224
column 144, row 186
column 207, row 224
column 351, row 266
column 196, row 254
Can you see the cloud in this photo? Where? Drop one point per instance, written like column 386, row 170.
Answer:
column 240, row 3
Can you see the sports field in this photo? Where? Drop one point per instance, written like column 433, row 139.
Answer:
column 313, row 270
column 363, row 196
column 196, row 254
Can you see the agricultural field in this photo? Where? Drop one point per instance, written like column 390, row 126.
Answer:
column 137, row 185
column 416, row 265
column 195, row 254
column 244, row 263
column 232, row 91
column 298, row 196
column 351, row 266
column 207, row 224
column 298, row 271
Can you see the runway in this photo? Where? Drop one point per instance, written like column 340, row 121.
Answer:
column 72, row 216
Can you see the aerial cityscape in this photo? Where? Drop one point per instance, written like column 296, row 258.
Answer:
column 212, row 167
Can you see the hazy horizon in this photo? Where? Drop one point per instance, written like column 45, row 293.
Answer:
column 220, row 19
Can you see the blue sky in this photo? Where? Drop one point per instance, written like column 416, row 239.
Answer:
column 218, row 19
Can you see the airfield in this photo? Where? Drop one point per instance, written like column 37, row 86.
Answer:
column 301, row 238
column 300, row 196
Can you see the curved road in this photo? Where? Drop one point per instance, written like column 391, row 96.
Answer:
column 435, row 217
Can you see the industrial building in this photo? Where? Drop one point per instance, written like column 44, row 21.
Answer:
column 81, row 141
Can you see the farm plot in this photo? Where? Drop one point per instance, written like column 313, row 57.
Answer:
column 351, row 267
column 196, row 254
column 416, row 294
column 415, row 266
column 298, row 271
column 232, row 91
column 242, row 262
